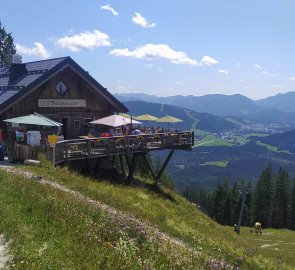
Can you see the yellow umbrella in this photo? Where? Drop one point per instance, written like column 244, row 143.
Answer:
column 125, row 115
column 146, row 117
column 169, row 119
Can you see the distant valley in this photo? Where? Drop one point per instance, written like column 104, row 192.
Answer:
column 235, row 137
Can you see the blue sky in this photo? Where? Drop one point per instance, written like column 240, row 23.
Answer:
column 164, row 47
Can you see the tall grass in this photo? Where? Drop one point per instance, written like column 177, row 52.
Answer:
column 66, row 222
column 50, row 229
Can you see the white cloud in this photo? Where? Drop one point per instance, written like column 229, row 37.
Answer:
column 179, row 83
column 163, row 51
column 156, row 51
column 269, row 74
column 85, row 40
column 108, row 7
column 223, row 71
column 140, row 20
column 39, row 50
column 256, row 66
column 292, row 78
column 160, row 69
column 207, row 60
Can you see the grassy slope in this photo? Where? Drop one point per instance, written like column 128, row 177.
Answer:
column 254, row 134
column 272, row 148
column 278, row 244
column 47, row 226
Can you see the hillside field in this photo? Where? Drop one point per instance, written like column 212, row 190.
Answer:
column 56, row 219
column 278, row 244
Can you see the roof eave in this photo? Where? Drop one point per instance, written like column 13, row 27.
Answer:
column 51, row 73
column 96, row 85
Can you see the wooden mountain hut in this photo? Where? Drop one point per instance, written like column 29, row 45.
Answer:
column 57, row 88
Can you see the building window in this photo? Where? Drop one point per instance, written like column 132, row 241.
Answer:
column 77, row 124
column 87, row 126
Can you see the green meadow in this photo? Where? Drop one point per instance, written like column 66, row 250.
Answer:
column 210, row 140
column 272, row 148
column 277, row 244
column 253, row 134
column 222, row 163
column 60, row 226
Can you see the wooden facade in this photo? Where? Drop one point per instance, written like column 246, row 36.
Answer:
column 74, row 119
column 67, row 94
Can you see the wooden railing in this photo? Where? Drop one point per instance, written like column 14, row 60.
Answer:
column 98, row 147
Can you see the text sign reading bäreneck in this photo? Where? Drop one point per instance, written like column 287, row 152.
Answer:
column 61, row 103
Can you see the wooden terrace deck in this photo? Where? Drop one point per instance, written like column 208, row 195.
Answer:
column 99, row 147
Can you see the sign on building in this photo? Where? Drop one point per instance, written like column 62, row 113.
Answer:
column 42, row 103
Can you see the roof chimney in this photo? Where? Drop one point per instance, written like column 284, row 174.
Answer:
column 16, row 71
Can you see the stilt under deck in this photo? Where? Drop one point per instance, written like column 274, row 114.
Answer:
column 128, row 147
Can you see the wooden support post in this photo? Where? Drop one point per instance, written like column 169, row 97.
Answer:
column 164, row 167
column 66, row 151
column 149, row 166
column 193, row 138
column 113, row 160
column 53, row 155
column 122, row 166
column 127, row 161
column 131, row 169
column 88, row 148
column 91, row 162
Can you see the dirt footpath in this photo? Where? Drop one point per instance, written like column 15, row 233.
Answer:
column 4, row 256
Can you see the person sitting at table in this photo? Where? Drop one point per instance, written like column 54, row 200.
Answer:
column 111, row 132
column 149, row 130
column 136, row 132
column 106, row 134
column 119, row 132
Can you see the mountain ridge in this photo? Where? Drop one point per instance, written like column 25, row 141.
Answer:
column 283, row 102
column 219, row 104
column 191, row 119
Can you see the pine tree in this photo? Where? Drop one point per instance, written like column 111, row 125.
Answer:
column 281, row 200
column 221, row 211
column 7, row 47
column 218, row 204
column 263, row 198
column 205, row 200
column 236, row 202
column 292, row 206
column 228, row 213
column 247, row 221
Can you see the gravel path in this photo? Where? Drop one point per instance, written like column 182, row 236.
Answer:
column 4, row 256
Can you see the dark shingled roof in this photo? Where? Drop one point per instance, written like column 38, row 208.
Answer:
column 19, row 79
